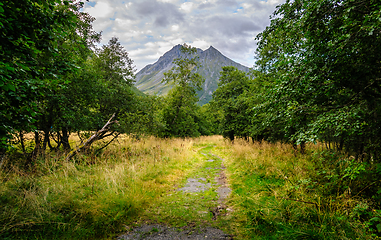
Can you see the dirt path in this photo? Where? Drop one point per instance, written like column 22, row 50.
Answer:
column 194, row 207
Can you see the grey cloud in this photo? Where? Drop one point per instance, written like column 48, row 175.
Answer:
column 227, row 2
column 229, row 26
column 163, row 13
column 257, row 6
column 235, row 45
column 205, row 5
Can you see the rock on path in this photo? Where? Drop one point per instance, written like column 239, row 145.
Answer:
column 159, row 232
column 193, row 185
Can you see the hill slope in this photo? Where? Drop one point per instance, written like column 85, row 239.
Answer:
column 148, row 80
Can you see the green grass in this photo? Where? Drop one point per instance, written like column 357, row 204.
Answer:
column 180, row 209
column 276, row 193
column 275, row 196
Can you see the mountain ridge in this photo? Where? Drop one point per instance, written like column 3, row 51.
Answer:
column 148, row 79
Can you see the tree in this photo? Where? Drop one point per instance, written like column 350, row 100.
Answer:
column 33, row 32
column 230, row 97
column 322, row 57
column 115, row 71
column 180, row 111
column 65, row 108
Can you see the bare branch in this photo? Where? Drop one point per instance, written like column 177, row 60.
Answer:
column 86, row 145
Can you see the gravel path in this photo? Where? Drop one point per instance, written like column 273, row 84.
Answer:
column 193, row 185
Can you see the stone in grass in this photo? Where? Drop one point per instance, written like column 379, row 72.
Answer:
column 193, row 185
column 159, row 232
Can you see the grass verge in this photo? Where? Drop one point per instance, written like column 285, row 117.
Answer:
column 278, row 194
column 91, row 197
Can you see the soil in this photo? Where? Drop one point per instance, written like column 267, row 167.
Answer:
column 160, row 232
column 193, row 185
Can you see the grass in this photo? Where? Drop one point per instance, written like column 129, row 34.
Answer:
column 180, row 209
column 91, row 196
column 276, row 193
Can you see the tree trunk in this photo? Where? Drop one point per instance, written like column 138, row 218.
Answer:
column 98, row 135
column 36, row 151
column 303, row 147
column 46, row 139
column 65, row 139
column 21, row 136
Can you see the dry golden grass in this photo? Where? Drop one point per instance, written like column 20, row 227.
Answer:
column 109, row 188
column 94, row 195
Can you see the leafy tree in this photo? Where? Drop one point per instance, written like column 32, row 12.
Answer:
column 230, row 98
column 211, row 118
column 180, row 111
column 99, row 88
column 146, row 118
column 116, row 74
column 31, row 62
column 66, row 108
column 324, row 62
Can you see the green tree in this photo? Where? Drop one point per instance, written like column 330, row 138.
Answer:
column 180, row 112
column 65, row 108
column 231, row 98
column 323, row 59
column 115, row 71
column 32, row 33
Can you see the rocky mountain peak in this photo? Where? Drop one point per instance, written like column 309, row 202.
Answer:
column 148, row 80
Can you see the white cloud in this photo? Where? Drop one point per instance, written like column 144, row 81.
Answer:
column 102, row 9
column 124, row 23
column 187, row 7
column 175, row 28
column 149, row 28
column 200, row 44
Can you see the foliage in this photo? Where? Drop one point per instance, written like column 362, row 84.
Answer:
column 278, row 194
column 323, row 62
column 180, row 112
column 65, row 108
column 32, row 33
column 231, row 99
column 115, row 72
column 146, row 118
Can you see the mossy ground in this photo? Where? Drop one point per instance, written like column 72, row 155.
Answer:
column 179, row 208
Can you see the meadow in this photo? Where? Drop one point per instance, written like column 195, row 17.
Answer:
column 277, row 193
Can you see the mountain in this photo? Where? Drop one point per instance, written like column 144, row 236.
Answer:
column 148, row 80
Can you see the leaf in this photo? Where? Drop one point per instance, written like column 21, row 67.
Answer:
column 10, row 68
column 11, row 87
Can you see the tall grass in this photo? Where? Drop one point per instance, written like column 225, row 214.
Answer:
column 277, row 192
column 281, row 194
column 91, row 196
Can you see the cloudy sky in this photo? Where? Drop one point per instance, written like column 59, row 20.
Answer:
column 149, row 28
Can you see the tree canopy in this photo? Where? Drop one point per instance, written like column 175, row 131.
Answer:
column 323, row 59
column 180, row 113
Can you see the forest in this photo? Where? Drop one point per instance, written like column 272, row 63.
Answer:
column 310, row 108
